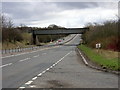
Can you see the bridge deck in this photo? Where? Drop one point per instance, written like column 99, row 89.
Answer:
column 60, row 31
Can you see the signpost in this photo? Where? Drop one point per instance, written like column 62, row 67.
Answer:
column 98, row 46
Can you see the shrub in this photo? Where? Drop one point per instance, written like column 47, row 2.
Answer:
column 106, row 34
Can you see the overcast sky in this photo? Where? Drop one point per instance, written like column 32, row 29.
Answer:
column 66, row 14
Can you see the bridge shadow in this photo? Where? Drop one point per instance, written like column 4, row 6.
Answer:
column 69, row 44
column 62, row 45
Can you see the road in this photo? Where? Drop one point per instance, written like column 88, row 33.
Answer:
column 18, row 50
column 57, row 66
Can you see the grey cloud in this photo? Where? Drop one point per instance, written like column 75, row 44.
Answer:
column 77, row 5
column 35, row 10
column 17, row 10
column 27, row 12
column 84, row 5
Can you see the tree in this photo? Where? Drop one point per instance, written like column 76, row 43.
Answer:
column 7, row 22
column 0, row 28
column 9, row 33
column 52, row 26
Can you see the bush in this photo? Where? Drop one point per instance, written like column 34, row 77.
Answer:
column 106, row 34
column 11, row 35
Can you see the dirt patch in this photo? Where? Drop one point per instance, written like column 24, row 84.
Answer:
column 57, row 84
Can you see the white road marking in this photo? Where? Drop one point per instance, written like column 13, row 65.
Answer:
column 15, row 55
column 24, row 59
column 6, row 65
column 36, row 56
column 21, row 87
column 34, row 78
column 48, row 69
column 39, row 74
column 57, row 62
column 51, row 66
column 44, row 53
column 32, row 86
column 83, row 58
column 43, row 71
column 29, row 82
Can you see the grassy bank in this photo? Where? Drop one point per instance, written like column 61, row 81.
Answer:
column 104, row 58
column 9, row 45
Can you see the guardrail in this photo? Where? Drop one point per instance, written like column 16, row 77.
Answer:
column 15, row 50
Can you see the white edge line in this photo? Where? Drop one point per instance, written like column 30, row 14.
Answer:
column 83, row 57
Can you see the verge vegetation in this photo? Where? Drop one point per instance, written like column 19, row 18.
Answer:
column 106, row 34
column 104, row 58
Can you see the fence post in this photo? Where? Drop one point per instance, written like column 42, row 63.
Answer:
column 12, row 50
column 5, row 51
column 15, row 49
column 2, row 51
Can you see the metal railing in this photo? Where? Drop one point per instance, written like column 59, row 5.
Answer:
column 15, row 50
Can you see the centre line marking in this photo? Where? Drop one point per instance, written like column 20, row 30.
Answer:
column 24, row 59
column 6, row 65
column 29, row 82
column 44, row 53
column 21, row 87
column 34, row 78
column 36, row 56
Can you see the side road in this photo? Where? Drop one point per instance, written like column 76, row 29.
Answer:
column 90, row 64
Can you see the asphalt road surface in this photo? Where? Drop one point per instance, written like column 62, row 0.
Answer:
column 52, row 67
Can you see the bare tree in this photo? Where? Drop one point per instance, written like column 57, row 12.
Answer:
column 6, row 22
column 0, row 28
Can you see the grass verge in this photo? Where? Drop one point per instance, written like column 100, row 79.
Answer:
column 8, row 45
column 109, row 63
